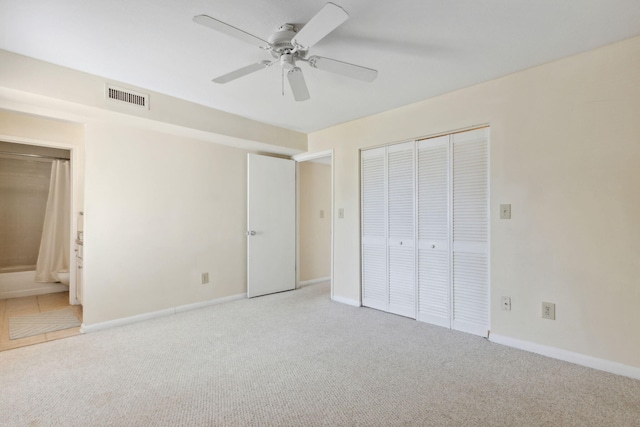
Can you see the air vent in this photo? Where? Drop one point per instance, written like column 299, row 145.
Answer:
column 127, row 96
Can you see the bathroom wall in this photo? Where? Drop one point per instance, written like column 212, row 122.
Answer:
column 314, row 184
column 24, row 187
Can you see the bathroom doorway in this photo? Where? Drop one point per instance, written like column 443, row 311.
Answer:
column 29, row 204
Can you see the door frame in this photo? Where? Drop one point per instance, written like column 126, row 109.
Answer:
column 304, row 157
column 74, row 176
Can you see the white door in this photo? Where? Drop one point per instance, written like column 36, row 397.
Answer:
column 388, row 235
column 401, row 233
column 374, row 246
column 470, row 264
column 434, row 278
column 271, row 225
column 453, row 231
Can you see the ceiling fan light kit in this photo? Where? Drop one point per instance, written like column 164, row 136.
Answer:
column 288, row 46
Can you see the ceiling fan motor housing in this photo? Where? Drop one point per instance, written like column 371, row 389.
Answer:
column 280, row 41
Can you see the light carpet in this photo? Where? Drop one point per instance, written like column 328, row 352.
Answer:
column 41, row 323
column 298, row 359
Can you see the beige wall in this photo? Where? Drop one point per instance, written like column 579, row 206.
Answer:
column 565, row 150
column 165, row 189
column 20, row 73
column 159, row 211
column 314, row 184
column 57, row 132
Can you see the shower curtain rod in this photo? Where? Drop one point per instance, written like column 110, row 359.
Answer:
column 37, row 156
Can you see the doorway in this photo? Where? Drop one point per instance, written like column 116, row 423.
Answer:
column 314, row 263
column 26, row 167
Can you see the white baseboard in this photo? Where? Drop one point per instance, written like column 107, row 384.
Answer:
column 160, row 313
column 314, row 281
column 347, row 301
column 568, row 356
column 202, row 304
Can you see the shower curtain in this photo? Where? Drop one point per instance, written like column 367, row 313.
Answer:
column 54, row 246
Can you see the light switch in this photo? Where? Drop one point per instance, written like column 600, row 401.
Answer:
column 341, row 213
column 505, row 211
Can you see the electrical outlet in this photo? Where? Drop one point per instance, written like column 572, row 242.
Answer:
column 548, row 310
column 506, row 303
column 205, row 278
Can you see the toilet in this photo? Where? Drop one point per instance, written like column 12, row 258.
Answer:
column 63, row 276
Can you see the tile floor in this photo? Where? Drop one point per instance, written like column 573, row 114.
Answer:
column 33, row 305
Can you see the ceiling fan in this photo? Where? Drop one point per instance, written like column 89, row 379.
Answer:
column 288, row 46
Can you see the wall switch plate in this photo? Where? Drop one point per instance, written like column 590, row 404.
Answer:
column 506, row 303
column 505, row 211
column 205, row 278
column 341, row 213
column 548, row 310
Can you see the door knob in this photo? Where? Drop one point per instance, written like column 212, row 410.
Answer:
column 251, row 233
column 433, row 246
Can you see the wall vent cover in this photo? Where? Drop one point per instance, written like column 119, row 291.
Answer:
column 118, row 94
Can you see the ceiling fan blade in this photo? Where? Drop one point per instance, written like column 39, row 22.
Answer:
column 343, row 68
column 241, row 72
column 298, row 85
column 329, row 18
column 230, row 30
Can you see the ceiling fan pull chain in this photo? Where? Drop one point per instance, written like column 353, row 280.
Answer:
column 282, row 73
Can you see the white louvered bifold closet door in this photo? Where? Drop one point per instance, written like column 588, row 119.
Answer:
column 374, row 242
column 434, row 279
column 427, row 202
column 470, row 232
column 401, row 230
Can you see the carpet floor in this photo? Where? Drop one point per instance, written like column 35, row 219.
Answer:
column 298, row 359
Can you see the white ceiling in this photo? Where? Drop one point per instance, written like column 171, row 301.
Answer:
column 421, row 48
